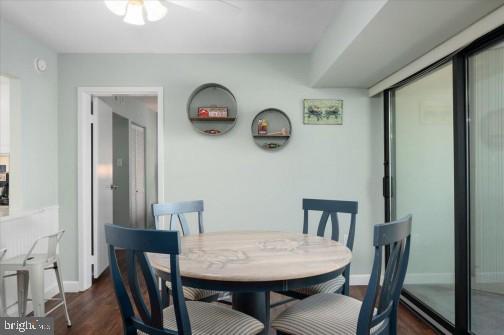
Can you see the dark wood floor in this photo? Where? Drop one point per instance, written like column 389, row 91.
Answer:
column 95, row 312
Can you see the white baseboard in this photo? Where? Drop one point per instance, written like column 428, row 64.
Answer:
column 423, row 278
column 358, row 280
column 490, row 277
column 429, row 278
column 71, row 286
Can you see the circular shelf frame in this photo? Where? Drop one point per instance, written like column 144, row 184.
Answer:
column 280, row 133
column 212, row 95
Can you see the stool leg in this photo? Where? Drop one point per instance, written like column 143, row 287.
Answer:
column 22, row 290
column 62, row 291
column 3, row 300
column 37, row 290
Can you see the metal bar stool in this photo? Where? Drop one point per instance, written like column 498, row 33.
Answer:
column 29, row 270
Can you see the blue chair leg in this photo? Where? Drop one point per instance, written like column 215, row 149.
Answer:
column 393, row 320
column 346, row 286
column 165, row 294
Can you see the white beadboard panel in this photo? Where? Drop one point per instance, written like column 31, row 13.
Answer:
column 17, row 234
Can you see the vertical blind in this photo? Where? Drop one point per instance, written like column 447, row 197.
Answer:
column 486, row 110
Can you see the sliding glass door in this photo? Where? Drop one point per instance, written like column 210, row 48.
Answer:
column 444, row 160
column 486, row 133
column 422, row 174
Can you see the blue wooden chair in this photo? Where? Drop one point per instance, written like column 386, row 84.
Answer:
column 182, row 318
column 329, row 209
column 178, row 210
column 336, row 314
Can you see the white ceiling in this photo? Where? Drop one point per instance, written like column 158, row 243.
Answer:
column 260, row 26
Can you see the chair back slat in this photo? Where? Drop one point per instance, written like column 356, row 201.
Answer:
column 178, row 209
column 397, row 237
column 305, row 222
column 152, row 318
column 136, row 242
column 2, row 253
column 391, row 272
column 335, row 226
column 183, row 224
column 365, row 319
column 322, row 223
column 351, row 232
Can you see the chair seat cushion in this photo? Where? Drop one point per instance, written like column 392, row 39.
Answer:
column 212, row 319
column 330, row 286
column 322, row 314
column 194, row 294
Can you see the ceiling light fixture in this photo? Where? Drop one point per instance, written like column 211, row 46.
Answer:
column 136, row 11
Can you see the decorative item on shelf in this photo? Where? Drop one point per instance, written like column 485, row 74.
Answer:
column 271, row 129
column 323, row 111
column 202, row 113
column 271, row 145
column 212, row 131
column 262, row 127
column 212, row 106
column 213, row 112
column 282, row 132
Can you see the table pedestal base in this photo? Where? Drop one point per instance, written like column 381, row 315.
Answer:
column 255, row 304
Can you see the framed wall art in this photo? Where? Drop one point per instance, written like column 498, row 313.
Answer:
column 323, row 111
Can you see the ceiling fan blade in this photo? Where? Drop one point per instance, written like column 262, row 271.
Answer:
column 212, row 6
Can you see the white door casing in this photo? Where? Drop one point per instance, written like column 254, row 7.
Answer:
column 84, row 177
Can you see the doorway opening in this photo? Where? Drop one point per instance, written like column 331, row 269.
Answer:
column 120, row 167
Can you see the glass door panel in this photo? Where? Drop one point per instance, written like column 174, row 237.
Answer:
column 486, row 111
column 423, row 177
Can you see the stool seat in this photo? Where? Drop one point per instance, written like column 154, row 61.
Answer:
column 33, row 259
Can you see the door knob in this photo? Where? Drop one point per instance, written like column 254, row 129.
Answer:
column 114, row 187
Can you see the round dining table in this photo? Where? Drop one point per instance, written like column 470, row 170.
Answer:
column 251, row 264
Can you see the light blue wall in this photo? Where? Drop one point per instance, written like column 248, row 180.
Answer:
column 35, row 139
column 243, row 186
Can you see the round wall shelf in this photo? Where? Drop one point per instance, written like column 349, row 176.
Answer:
column 212, row 109
column 271, row 129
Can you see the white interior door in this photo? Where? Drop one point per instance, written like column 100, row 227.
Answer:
column 137, row 156
column 103, row 194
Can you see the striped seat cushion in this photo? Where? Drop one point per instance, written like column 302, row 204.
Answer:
column 194, row 294
column 330, row 286
column 212, row 319
column 323, row 314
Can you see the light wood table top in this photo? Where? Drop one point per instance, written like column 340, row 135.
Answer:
column 255, row 256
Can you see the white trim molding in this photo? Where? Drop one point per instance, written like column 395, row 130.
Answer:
column 84, row 118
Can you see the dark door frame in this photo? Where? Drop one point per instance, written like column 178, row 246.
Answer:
column 461, row 135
